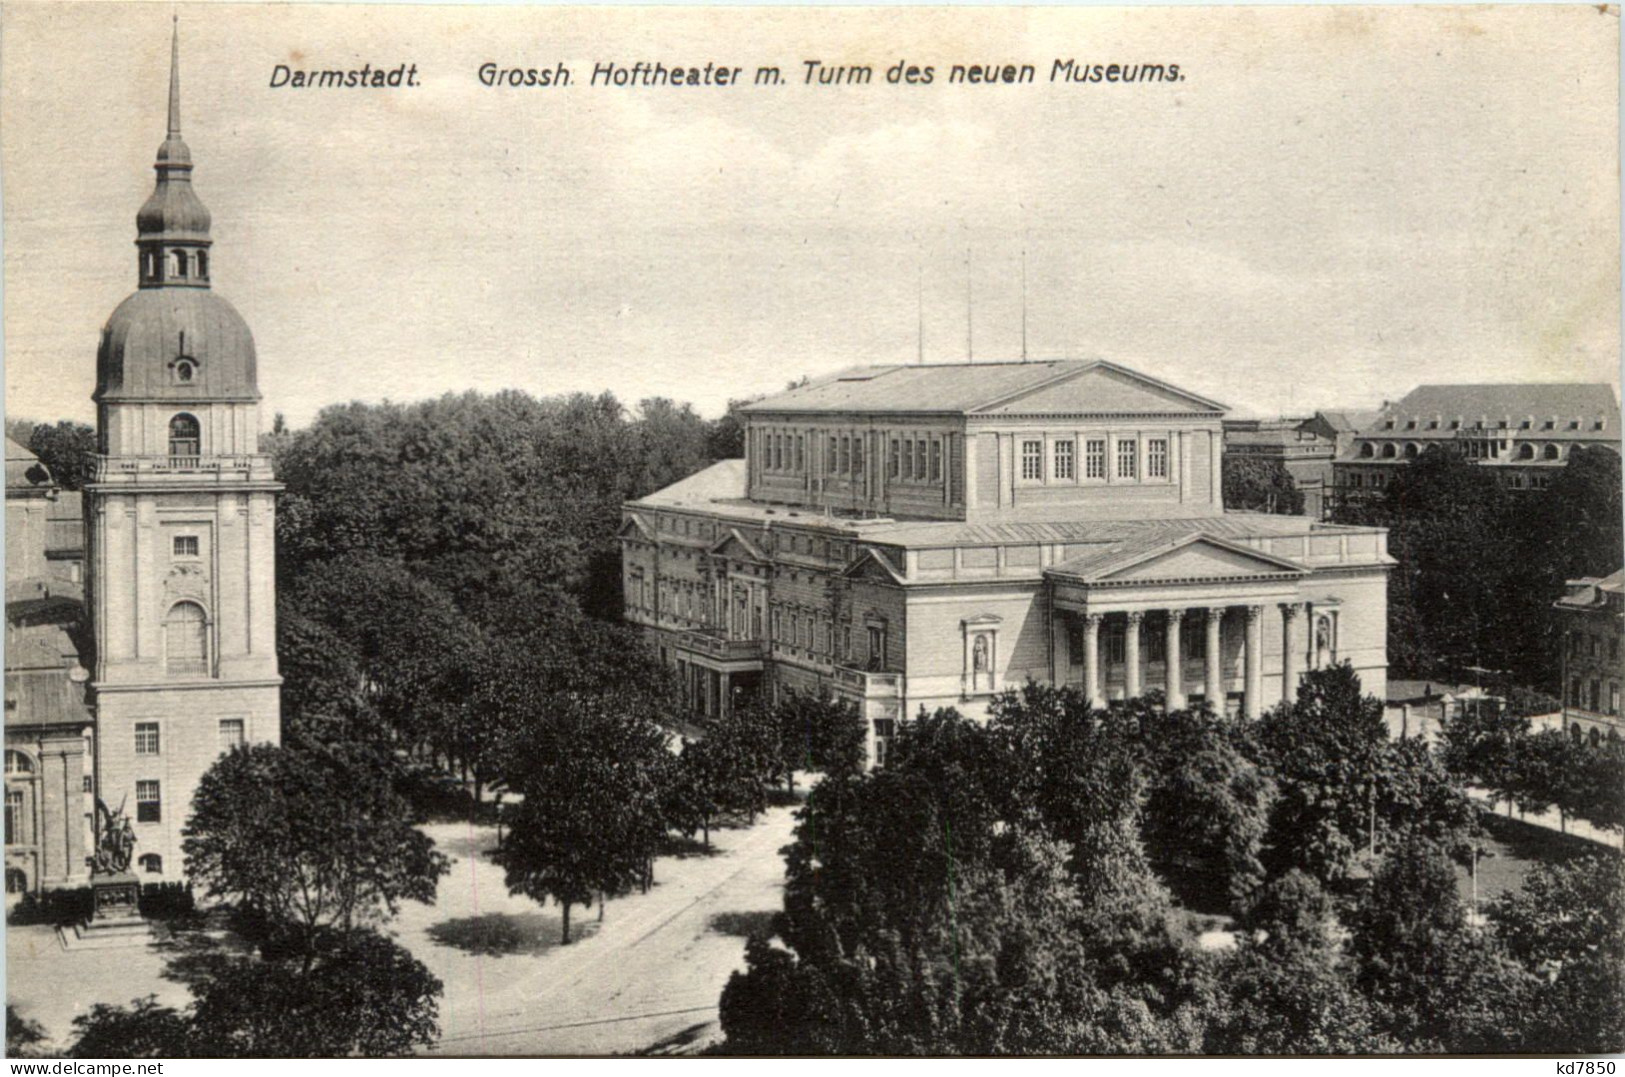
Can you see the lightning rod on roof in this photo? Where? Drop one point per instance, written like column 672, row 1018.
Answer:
column 1024, row 304
column 970, row 354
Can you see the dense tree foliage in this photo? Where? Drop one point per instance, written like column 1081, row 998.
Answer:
column 357, row 994
column 1480, row 563
column 1007, row 888
column 23, row 1036
column 1494, row 748
column 507, row 503
column 1260, row 484
column 67, row 449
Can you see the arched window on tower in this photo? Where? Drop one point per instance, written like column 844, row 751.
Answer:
column 177, row 264
column 203, row 265
column 186, row 639
column 184, row 436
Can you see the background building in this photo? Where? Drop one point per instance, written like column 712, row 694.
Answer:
column 180, row 521
column 911, row 536
column 1524, row 432
column 1304, row 447
column 48, row 727
column 1593, row 621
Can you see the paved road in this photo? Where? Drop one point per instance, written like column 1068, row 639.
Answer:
column 652, row 972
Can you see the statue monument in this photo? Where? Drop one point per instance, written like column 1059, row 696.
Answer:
column 115, row 916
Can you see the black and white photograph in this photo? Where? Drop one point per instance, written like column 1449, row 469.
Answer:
column 915, row 531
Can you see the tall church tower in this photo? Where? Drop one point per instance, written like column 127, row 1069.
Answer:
column 180, row 526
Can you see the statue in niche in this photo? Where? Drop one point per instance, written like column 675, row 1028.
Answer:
column 1323, row 641
column 979, row 663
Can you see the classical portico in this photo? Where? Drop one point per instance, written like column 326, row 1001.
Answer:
column 1186, row 617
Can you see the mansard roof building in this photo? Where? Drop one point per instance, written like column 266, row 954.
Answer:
column 929, row 535
column 1524, row 432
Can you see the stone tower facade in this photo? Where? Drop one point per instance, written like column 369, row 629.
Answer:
column 180, row 527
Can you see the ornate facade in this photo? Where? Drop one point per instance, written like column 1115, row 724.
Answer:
column 1593, row 624
column 914, row 536
column 180, row 527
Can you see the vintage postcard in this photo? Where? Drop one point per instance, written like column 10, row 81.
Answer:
column 590, row 531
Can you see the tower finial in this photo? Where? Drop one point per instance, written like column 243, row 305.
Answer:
column 175, row 79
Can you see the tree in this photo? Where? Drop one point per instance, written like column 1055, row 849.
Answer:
column 363, row 995
column 309, row 840
column 1566, row 925
column 1434, row 985
column 1207, row 803
column 1342, row 784
column 589, row 775
column 1260, row 485
column 144, row 1029
column 1480, row 746
column 820, row 733
column 726, row 438
column 22, row 1035
column 68, row 450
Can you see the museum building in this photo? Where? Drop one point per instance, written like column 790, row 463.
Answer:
column 929, row 535
column 179, row 577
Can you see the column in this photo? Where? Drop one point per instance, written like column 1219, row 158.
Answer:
column 1215, row 658
column 1091, row 658
column 1291, row 653
column 1131, row 655
column 1060, row 627
column 1255, row 661
column 1176, row 686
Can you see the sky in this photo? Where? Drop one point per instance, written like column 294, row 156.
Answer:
column 1331, row 206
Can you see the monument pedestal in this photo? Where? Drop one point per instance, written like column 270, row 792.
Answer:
column 115, row 919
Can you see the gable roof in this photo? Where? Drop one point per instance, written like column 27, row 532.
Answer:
column 863, row 565
column 736, row 539
column 1002, row 388
column 1565, row 400
column 1195, row 554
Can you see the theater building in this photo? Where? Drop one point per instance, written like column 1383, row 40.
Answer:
column 929, row 535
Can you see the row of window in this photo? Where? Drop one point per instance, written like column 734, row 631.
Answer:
column 232, row 734
column 1552, row 423
column 1474, row 448
column 910, row 459
column 180, row 264
column 1063, row 462
column 1586, row 644
column 796, row 627
column 1588, row 696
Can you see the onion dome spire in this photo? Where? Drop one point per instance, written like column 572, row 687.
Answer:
column 172, row 228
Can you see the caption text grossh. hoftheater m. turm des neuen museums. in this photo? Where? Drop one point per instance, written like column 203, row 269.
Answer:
column 817, row 72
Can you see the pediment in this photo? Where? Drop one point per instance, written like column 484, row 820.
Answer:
column 871, row 564
column 1103, row 389
column 634, row 527
column 738, row 547
column 1197, row 557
